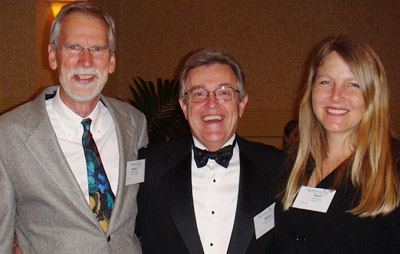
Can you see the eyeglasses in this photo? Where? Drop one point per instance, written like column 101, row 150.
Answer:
column 223, row 93
column 75, row 50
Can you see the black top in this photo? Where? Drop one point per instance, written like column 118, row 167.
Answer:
column 337, row 231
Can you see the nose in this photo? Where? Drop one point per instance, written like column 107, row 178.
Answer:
column 211, row 102
column 85, row 58
column 337, row 93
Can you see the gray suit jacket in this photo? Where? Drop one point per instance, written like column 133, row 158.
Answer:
column 40, row 197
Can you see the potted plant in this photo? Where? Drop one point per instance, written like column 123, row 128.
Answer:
column 160, row 104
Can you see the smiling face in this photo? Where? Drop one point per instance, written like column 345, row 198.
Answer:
column 213, row 123
column 337, row 99
column 82, row 76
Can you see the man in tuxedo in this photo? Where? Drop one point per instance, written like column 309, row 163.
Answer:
column 202, row 192
column 64, row 156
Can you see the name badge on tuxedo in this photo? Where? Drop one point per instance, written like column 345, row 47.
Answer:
column 314, row 199
column 264, row 221
column 135, row 172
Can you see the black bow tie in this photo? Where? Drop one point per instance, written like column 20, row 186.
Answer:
column 222, row 156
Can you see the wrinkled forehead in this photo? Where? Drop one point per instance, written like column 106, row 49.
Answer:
column 80, row 27
column 211, row 77
column 78, row 19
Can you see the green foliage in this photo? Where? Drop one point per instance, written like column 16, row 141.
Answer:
column 160, row 104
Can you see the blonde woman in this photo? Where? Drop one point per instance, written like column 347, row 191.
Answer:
column 342, row 191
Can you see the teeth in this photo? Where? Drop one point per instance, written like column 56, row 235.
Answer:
column 337, row 111
column 85, row 76
column 212, row 118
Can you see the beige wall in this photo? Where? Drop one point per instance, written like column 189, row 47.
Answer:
column 271, row 39
column 24, row 29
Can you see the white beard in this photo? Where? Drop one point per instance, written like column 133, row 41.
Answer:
column 90, row 90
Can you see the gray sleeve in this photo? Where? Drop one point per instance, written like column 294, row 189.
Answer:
column 7, row 211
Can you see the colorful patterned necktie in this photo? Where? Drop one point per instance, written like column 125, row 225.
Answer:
column 101, row 198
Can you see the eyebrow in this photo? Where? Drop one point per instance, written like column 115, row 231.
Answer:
column 100, row 44
column 225, row 84
column 218, row 86
column 330, row 77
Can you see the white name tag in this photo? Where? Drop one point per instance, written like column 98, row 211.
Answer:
column 314, row 199
column 264, row 221
column 135, row 172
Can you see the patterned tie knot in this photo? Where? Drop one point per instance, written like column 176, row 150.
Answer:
column 86, row 124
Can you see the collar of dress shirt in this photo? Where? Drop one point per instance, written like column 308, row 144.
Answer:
column 71, row 122
column 201, row 146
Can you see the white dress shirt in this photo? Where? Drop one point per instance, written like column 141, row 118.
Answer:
column 69, row 130
column 215, row 192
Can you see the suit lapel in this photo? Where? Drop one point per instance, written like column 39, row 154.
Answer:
column 44, row 147
column 177, row 182
column 125, row 133
column 252, row 194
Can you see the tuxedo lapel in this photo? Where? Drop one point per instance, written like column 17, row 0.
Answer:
column 252, row 193
column 178, row 186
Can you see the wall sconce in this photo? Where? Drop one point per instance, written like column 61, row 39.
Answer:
column 57, row 5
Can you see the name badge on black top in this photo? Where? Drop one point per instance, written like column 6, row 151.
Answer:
column 314, row 199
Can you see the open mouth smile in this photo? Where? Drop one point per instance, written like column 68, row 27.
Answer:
column 337, row 111
column 212, row 118
column 84, row 77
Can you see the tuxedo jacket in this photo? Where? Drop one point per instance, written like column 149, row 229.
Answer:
column 166, row 218
column 41, row 199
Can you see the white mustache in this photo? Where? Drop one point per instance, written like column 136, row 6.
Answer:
column 84, row 71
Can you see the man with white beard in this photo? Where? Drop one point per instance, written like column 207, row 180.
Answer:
column 65, row 155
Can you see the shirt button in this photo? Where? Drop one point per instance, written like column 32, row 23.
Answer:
column 300, row 239
column 212, row 212
column 211, row 244
column 108, row 238
column 214, row 180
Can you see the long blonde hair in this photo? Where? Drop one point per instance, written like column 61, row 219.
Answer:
column 371, row 166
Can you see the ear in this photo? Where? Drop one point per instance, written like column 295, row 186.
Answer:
column 111, row 66
column 51, row 49
column 242, row 105
column 183, row 107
